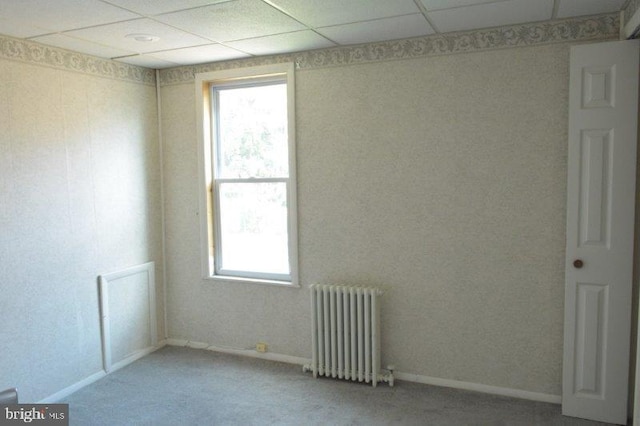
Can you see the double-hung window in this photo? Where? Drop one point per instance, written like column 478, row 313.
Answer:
column 248, row 199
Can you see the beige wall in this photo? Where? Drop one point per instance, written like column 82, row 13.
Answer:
column 440, row 179
column 79, row 197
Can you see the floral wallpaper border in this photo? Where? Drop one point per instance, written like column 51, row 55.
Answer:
column 28, row 51
column 601, row 27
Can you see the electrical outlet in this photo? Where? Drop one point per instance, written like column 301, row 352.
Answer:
column 261, row 347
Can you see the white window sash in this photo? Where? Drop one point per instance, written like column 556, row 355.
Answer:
column 217, row 235
column 253, row 76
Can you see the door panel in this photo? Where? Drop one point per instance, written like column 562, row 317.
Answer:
column 603, row 102
column 595, row 187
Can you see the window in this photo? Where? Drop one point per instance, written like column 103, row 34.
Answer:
column 247, row 161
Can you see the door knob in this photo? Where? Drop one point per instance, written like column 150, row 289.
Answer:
column 578, row 263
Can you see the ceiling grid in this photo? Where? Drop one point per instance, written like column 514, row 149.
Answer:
column 169, row 33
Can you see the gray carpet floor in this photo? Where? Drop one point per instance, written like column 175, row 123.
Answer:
column 182, row 386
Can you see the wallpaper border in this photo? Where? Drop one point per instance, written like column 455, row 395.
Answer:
column 36, row 53
column 600, row 27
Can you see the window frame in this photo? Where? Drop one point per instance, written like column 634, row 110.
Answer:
column 206, row 126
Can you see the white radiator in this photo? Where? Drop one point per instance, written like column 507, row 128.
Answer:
column 346, row 334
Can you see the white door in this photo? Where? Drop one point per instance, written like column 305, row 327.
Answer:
column 603, row 102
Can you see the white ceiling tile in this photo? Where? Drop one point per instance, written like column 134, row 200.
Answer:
column 154, row 7
column 381, row 29
column 115, row 35
column 60, row 15
column 82, row 46
column 199, row 54
column 19, row 29
column 491, row 15
column 569, row 8
column 147, row 62
column 280, row 43
column 233, row 20
column 321, row 13
column 448, row 4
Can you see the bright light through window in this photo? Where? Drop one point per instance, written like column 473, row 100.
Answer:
column 252, row 200
column 252, row 132
column 253, row 227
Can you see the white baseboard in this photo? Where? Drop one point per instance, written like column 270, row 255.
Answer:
column 249, row 352
column 270, row 356
column 477, row 387
column 134, row 357
column 51, row 399
column 416, row 378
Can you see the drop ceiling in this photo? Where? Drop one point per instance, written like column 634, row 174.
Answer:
column 168, row 33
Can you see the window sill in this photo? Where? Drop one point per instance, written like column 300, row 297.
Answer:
column 228, row 278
